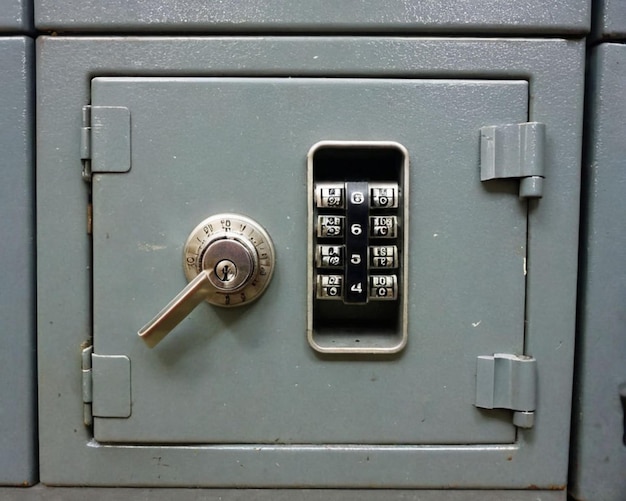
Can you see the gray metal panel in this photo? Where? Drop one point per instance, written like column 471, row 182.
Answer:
column 609, row 19
column 271, row 16
column 205, row 146
column 599, row 456
column 17, row 281
column 16, row 15
column 44, row 493
column 65, row 66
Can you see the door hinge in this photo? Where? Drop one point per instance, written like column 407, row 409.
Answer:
column 104, row 140
column 87, row 385
column 505, row 381
column 106, row 386
column 514, row 151
column 85, row 143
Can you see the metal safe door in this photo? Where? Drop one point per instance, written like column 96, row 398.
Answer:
column 182, row 149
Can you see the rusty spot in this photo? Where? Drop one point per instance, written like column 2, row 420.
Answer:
column 89, row 219
column 534, row 487
column 557, row 487
column 510, row 458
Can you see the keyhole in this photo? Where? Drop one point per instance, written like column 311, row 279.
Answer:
column 225, row 270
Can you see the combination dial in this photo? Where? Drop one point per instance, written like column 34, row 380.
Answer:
column 237, row 255
column 228, row 260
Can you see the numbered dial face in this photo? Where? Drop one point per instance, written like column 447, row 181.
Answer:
column 237, row 254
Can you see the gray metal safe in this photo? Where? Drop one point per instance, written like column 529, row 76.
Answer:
column 183, row 161
column 598, row 455
column 598, row 462
column 17, row 294
column 609, row 20
column 502, row 17
column 16, row 16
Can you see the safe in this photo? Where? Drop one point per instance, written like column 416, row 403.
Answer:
column 16, row 16
column 18, row 464
column 307, row 261
column 598, row 459
column 545, row 18
column 609, row 20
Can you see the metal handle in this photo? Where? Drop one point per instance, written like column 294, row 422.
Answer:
column 177, row 309
column 228, row 260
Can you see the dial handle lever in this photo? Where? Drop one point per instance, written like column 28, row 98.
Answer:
column 177, row 309
column 228, row 260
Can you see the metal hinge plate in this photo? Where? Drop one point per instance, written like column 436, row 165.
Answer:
column 505, row 381
column 106, row 386
column 87, row 385
column 105, row 139
column 514, row 151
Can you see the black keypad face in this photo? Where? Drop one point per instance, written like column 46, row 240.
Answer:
column 357, row 210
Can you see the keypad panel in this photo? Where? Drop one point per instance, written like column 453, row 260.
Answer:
column 358, row 223
column 353, row 219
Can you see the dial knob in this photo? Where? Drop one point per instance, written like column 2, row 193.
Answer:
column 237, row 255
column 228, row 260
